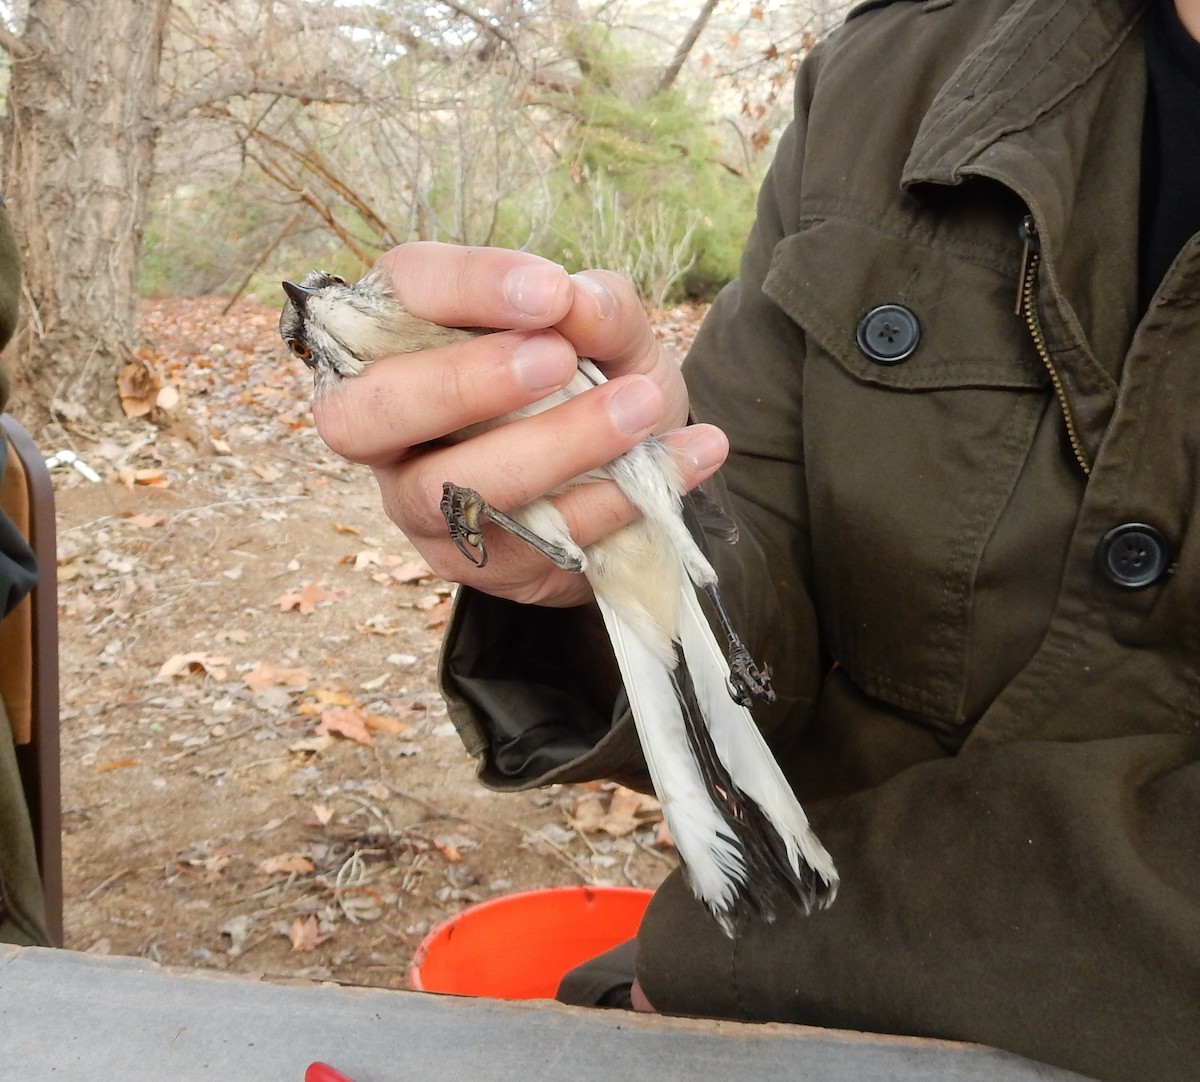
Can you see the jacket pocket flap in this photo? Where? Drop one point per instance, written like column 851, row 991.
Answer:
column 829, row 276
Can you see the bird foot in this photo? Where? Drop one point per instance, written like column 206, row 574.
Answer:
column 746, row 679
column 465, row 511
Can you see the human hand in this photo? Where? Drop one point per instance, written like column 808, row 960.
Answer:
column 392, row 415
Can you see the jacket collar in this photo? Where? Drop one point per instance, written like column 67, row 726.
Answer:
column 1035, row 56
column 1031, row 107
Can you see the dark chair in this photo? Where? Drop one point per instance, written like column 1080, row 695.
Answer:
column 29, row 661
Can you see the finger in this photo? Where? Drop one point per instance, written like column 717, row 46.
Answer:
column 478, row 287
column 638, row 999
column 517, row 463
column 593, row 511
column 607, row 323
column 400, row 402
column 514, row 571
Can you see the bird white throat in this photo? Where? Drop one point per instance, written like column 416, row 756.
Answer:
column 742, row 836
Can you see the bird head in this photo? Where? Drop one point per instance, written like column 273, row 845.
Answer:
column 337, row 328
column 332, row 325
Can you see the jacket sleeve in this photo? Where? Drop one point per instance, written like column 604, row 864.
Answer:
column 22, row 911
column 1041, row 897
column 17, row 570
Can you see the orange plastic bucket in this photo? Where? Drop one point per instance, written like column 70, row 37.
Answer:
column 520, row 946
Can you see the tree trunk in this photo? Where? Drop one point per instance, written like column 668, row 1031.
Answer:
column 80, row 155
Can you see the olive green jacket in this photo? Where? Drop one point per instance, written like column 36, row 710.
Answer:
column 989, row 701
column 22, row 915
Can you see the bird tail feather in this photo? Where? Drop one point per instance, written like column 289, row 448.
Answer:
column 767, row 800
column 735, row 820
column 711, row 855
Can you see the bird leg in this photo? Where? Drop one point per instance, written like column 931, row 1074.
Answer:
column 465, row 510
column 746, row 679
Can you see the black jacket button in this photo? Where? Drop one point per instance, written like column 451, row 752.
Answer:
column 1133, row 555
column 888, row 334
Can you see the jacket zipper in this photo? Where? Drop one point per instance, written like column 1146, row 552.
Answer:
column 1031, row 260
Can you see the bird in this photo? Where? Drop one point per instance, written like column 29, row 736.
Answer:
column 743, row 839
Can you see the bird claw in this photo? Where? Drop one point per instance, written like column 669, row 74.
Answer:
column 746, row 679
column 464, row 509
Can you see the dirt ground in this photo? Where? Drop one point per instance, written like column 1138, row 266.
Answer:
column 258, row 770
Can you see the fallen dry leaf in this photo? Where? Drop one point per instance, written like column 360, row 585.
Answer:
column 624, row 812
column 152, row 476
column 629, row 803
column 437, row 616
column 262, row 677
column 306, row 599
column 143, row 522
column 116, row 764
column 323, row 814
column 414, row 571
column 287, row 864
column 381, row 723
column 366, row 558
column 376, row 627
column 197, row 662
column 320, row 698
column 138, row 386
column 305, row 934
column 267, row 473
column 348, row 723
column 314, row 744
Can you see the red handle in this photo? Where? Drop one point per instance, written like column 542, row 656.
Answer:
column 322, row 1072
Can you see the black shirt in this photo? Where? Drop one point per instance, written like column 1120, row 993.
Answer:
column 1170, row 202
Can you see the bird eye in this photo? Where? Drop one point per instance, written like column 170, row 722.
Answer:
column 337, row 279
column 299, row 349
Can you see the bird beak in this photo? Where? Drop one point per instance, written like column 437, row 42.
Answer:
column 298, row 294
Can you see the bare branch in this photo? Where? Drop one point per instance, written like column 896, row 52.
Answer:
column 12, row 43
column 322, row 210
column 672, row 70
column 485, row 25
column 263, row 256
column 309, row 158
column 245, row 88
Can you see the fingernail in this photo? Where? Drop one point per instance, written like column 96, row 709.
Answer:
column 606, row 299
column 705, row 446
column 534, row 289
column 635, row 405
column 541, row 363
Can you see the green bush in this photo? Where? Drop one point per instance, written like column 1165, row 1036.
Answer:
column 644, row 186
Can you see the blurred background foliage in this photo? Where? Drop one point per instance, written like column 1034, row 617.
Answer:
column 546, row 126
